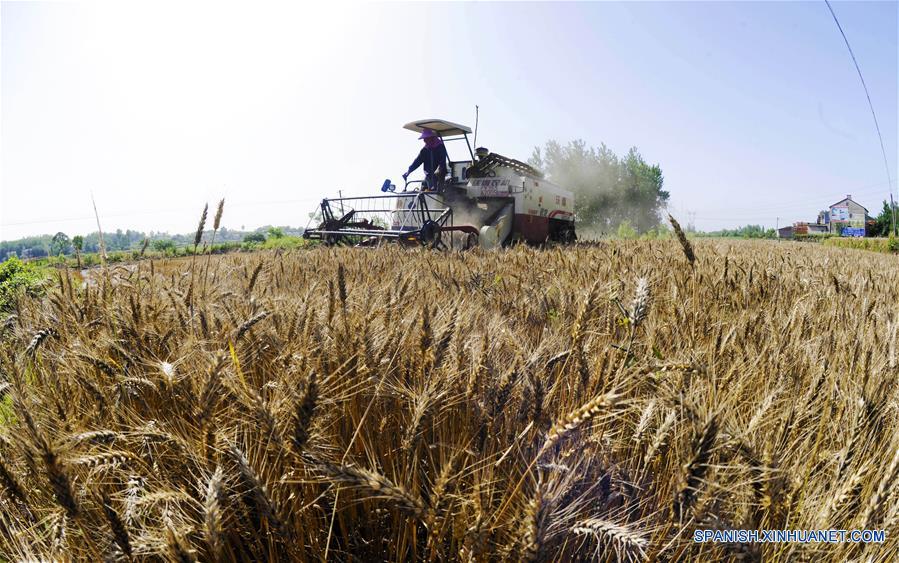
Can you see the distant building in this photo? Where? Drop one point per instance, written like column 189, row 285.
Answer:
column 803, row 228
column 846, row 213
column 845, row 217
column 785, row 232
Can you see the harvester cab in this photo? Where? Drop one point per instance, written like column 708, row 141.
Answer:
column 486, row 200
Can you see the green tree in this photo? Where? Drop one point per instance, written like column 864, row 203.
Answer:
column 608, row 189
column 78, row 245
column 883, row 222
column 165, row 246
column 117, row 241
column 254, row 237
column 17, row 278
column 59, row 244
column 275, row 232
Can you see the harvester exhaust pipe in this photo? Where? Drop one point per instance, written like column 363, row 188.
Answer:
column 497, row 231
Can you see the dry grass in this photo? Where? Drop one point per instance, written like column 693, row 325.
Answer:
column 600, row 401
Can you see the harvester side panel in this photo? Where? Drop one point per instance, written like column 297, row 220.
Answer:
column 544, row 199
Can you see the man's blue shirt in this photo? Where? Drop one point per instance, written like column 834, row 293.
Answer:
column 431, row 158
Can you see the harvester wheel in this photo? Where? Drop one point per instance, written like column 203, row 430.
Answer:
column 567, row 236
column 430, row 234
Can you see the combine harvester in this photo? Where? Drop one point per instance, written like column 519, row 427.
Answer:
column 488, row 201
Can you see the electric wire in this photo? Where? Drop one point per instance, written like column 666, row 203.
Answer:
column 886, row 163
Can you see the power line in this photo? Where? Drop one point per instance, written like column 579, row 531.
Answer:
column 886, row 163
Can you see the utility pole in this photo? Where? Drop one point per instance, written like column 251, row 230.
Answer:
column 893, row 214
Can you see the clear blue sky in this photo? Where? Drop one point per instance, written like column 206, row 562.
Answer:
column 753, row 109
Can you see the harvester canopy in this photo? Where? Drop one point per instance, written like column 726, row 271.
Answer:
column 439, row 126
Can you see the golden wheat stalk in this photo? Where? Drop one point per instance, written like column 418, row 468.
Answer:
column 682, row 238
column 877, row 503
column 119, row 531
column 212, row 511
column 696, row 468
column 304, row 413
column 576, row 418
column 622, row 537
column 376, row 484
column 216, row 223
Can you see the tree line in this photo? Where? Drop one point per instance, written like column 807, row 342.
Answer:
column 746, row 231
column 61, row 243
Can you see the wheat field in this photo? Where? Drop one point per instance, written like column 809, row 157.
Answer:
column 599, row 402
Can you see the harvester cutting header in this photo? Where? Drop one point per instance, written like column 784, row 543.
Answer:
column 487, row 200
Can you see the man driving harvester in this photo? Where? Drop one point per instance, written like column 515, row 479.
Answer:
column 433, row 158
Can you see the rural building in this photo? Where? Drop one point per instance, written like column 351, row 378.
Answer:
column 785, row 232
column 803, row 228
column 846, row 213
column 845, row 217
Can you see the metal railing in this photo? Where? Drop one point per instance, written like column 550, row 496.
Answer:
column 415, row 216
